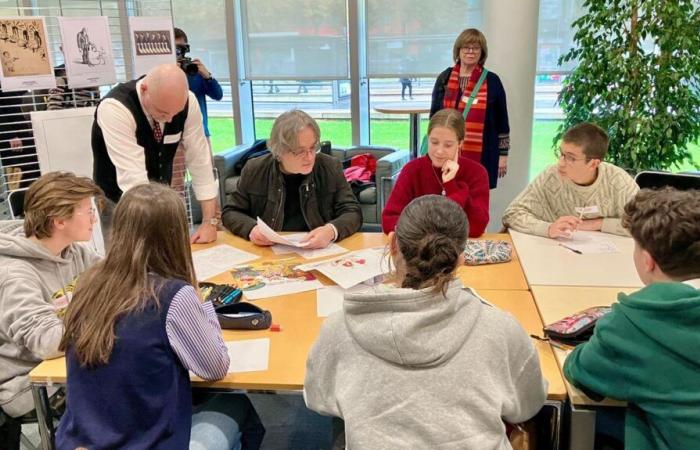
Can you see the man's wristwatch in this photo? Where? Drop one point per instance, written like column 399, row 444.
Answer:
column 213, row 221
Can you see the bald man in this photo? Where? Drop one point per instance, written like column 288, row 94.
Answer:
column 137, row 129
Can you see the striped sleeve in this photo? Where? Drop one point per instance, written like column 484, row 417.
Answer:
column 195, row 335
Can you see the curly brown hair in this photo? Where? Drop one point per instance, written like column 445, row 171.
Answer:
column 431, row 234
column 666, row 223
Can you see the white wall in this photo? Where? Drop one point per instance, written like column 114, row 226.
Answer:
column 511, row 32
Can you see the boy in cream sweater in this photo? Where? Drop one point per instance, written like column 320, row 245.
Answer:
column 580, row 192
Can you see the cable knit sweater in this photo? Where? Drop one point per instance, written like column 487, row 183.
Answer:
column 549, row 197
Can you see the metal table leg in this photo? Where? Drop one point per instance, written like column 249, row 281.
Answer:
column 582, row 436
column 44, row 417
column 414, row 138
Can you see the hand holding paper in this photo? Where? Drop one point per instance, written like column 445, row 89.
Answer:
column 272, row 236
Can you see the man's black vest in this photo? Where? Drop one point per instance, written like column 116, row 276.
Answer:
column 159, row 156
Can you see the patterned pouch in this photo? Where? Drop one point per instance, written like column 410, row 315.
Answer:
column 576, row 328
column 486, row 251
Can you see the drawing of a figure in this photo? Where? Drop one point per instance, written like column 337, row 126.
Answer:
column 84, row 46
column 3, row 32
column 25, row 38
column 14, row 38
column 8, row 61
column 36, row 40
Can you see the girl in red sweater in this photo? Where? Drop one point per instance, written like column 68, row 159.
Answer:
column 443, row 171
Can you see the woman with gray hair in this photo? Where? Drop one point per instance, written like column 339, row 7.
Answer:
column 294, row 188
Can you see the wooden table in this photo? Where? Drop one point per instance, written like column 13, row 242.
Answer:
column 501, row 284
column 554, row 303
column 414, row 110
column 545, row 263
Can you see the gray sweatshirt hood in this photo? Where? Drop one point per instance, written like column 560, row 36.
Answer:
column 13, row 244
column 410, row 329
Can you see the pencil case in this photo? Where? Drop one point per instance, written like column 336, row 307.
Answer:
column 220, row 294
column 486, row 251
column 576, row 328
column 243, row 316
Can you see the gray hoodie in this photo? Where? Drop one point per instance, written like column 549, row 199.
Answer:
column 30, row 330
column 411, row 369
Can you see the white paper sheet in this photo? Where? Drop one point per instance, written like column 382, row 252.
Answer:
column 217, row 259
column 329, row 299
column 353, row 268
column 87, row 50
column 308, row 253
column 292, row 240
column 587, row 242
column 275, row 290
column 250, row 355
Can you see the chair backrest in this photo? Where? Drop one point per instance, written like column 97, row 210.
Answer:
column 16, row 201
column 680, row 181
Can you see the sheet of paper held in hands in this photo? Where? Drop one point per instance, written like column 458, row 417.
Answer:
column 352, row 268
column 249, row 355
column 217, row 259
column 307, row 253
column 272, row 278
column 293, row 240
column 583, row 242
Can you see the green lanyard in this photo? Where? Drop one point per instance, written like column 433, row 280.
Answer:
column 467, row 107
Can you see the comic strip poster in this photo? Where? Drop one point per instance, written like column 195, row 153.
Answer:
column 25, row 62
column 152, row 42
column 87, row 50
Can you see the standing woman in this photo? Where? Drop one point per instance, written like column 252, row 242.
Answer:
column 487, row 133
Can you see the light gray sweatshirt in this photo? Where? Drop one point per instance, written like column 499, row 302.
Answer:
column 30, row 330
column 412, row 369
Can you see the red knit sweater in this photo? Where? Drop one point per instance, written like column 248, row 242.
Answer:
column 470, row 189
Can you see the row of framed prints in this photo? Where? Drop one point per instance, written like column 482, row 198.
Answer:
column 26, row 62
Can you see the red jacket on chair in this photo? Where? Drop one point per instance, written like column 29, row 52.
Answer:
column 469, row 189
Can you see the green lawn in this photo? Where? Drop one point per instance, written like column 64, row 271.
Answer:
column 394, row 133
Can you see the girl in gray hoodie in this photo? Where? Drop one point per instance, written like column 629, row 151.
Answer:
column 424, row 364
column 38, row 259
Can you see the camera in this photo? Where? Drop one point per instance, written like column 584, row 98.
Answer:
column 184, row 62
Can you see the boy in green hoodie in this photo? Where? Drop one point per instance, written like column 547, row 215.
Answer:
column 645, row 351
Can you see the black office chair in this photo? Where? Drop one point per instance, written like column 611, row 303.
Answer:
column 16, row 201
column 680, row 181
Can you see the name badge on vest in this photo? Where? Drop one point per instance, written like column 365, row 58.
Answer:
column 172, row 138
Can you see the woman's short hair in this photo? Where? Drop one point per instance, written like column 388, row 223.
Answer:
column 284, row 136
column 448, row 118
column 431, row 234
column 54, row 196
column 468, row 37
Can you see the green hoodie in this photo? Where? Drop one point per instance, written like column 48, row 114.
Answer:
column 647, row 352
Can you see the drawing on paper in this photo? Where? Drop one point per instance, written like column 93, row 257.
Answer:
column 255, row 276
column 23, row 48
column 91, row 53
column 152, row 42
column 350, row 261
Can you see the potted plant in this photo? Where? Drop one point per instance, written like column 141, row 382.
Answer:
column 637, row 76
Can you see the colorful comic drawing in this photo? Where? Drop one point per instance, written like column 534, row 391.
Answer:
column 258, row 275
